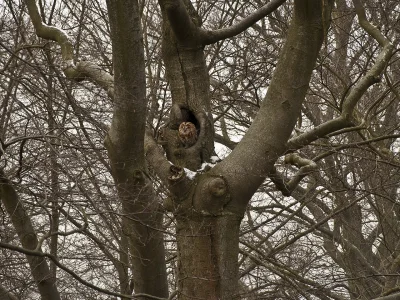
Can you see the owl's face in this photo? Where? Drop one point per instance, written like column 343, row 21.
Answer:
column 187, row 133
column 186, row 127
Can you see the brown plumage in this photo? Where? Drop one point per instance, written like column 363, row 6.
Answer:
column 187, row 133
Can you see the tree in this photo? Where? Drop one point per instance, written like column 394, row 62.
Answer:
column 314, row 95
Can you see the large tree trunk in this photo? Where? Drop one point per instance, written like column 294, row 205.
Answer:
column 208, row 256
column 125, row 145
column 187, row 74
column 210, row 207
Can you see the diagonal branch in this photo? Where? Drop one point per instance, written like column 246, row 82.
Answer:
column 212, row 36
column 266, row 138
column 81, row 70
column 177, row 180
column 28, row 238
column 373, row 76
column 42, row 255
column 305, row 167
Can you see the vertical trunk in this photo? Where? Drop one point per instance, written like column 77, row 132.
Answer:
column 146, row 246
column 208, row 257
column 187, row 74
column 125, row 145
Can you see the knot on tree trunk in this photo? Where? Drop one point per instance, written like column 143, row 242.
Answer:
column 176, row 174
column 213, row 196
column 217, row 187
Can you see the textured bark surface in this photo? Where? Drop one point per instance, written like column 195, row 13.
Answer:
column 208, row 249
column 5, row 295
column 210, row 210
column 266, row 138
column 125, row 145
column 189, row 80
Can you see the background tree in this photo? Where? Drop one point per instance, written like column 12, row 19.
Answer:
column 305, row 206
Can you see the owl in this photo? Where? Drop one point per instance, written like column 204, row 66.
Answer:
column 187, row 133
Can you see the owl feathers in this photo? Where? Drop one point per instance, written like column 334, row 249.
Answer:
column 187, row 133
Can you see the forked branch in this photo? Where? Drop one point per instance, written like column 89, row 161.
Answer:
column 372, row 76
column 81, row 70
column 212, row 36
column 305, row 167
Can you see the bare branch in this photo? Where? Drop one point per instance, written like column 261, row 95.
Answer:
column 31, row 137
column 209, row 37
column 373, row 76
column 266, row 139
column 367, row 26
column 84, row 69
column 281, row 270
column 72, row 273
column 89, row 70
column 50, row 32
column 155, row 157
column 305, row 167
column 395, row 296
column 28, row 238
column 173, row 177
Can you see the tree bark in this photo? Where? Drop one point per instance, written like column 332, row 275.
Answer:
column 207, row 263
column 187, row 74
column 125, row 145
column 266, row 138
column 210, row 206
